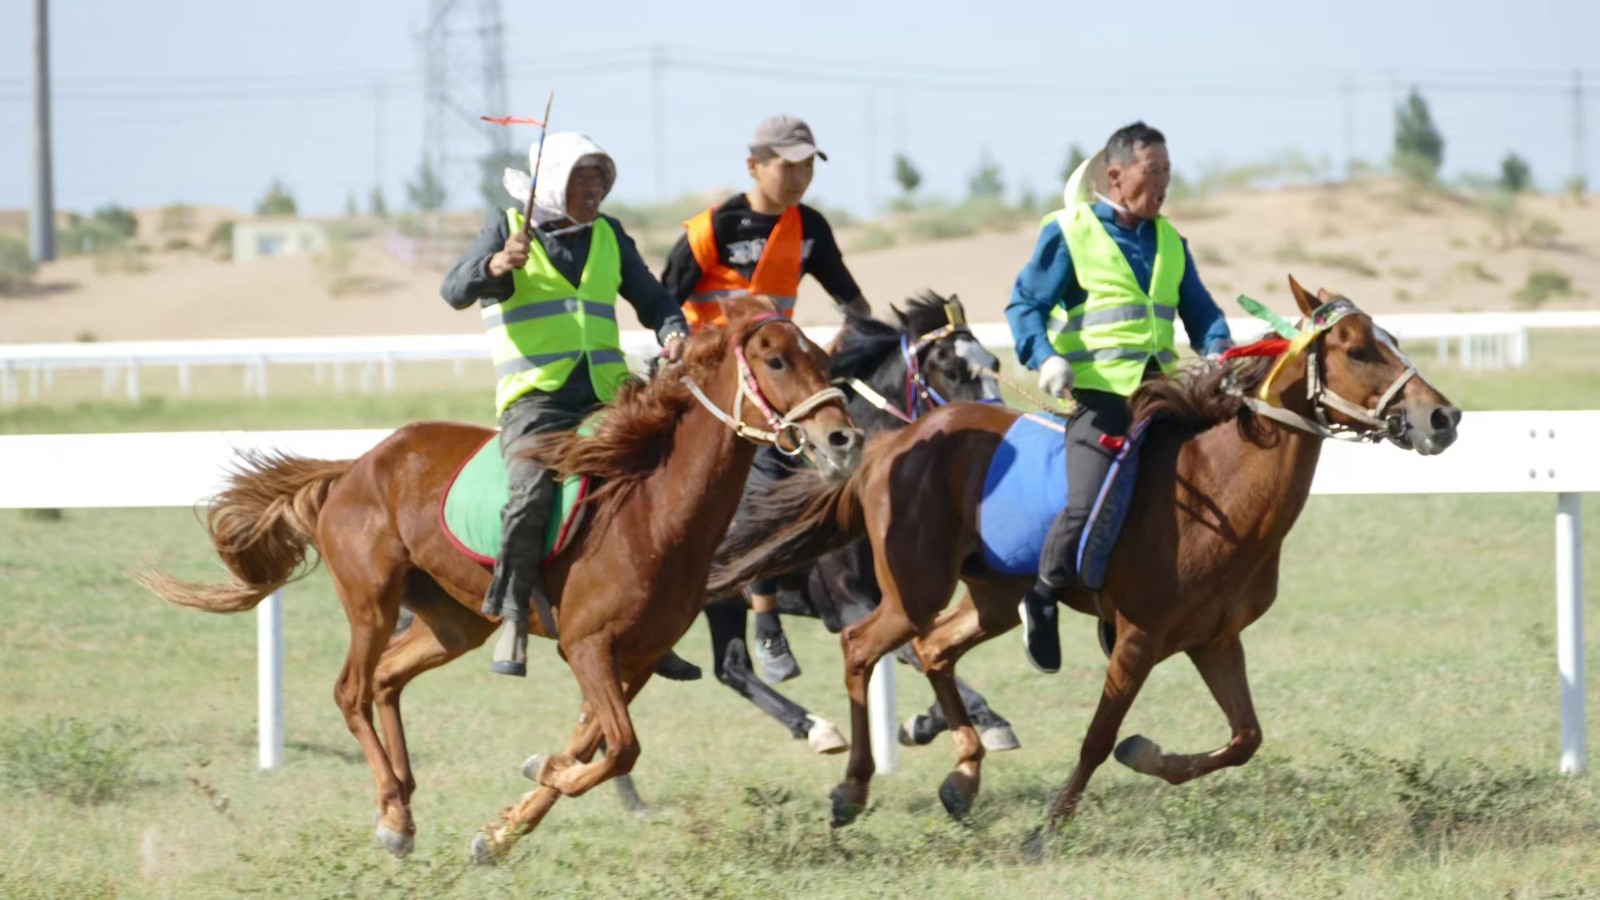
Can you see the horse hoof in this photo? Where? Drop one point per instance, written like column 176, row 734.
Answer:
column 484, row 853
column 956, row 801
column 825, row 737
column 399, row 845
column 1033, row 845
column 631, row 801
column 844, row 812
column 999, row 739
column 1140, row 754
column 531, row 766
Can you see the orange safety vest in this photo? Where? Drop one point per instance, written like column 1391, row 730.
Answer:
column 777, row 273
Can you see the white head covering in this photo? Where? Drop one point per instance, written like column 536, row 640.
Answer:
column 1088, row 182
column 563, row 152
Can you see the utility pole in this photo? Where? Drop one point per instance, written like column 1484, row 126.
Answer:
column 872, row 152
column 42, row 213
column 1349, row 127
column 658, row 118
column 1579, row 159
column 377, row 139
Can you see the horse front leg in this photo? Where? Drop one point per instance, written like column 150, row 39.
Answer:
column 864, row 643
column 1131, row 662
column 1222, row 666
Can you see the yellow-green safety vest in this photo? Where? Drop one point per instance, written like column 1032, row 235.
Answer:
column 538, row 334
column 1112, row 335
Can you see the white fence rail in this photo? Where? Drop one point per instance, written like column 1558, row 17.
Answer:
column 1476, row 340
column 1498, row 452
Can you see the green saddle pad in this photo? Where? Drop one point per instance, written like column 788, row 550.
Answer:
column 471, row 510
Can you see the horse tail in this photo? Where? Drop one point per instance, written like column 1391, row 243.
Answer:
column 803, row 518
column 262, row 526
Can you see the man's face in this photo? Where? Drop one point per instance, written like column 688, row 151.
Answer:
column 1141, row 185
column 586, row 187
column 780, row 180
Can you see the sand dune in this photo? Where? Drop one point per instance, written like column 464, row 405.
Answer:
column 1390, row 254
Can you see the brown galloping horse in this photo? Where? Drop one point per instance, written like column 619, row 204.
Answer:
column 1197, row 560
column 672, row 453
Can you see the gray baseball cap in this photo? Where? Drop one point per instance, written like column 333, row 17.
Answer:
column 788, row 137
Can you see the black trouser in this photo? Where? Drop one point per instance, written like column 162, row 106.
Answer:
column 1088, row 461
column 527, row 512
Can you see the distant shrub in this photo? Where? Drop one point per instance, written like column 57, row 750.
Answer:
column 17, row 266
column 1542, row 285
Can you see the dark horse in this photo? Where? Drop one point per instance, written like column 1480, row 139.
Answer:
column 672, row 454
column 1225, row 471
column 893, row 375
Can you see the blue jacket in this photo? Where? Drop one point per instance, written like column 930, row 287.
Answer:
column 1048, row 280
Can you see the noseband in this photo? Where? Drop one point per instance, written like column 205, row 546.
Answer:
column 786, row 425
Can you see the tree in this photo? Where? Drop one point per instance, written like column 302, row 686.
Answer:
column 906, row 175
column 1515, row 175
column 1418, row 146
column 118, row 221
column 491, row 176
column 351, row 209
column 426, row 193
column 1075, row 159
column 376, row 204
column 985, row 183
column 277, row 202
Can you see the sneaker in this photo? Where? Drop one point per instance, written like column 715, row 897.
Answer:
column 1039, row 636
column 777, row 663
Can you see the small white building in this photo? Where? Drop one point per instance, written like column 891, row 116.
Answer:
column 277, row 237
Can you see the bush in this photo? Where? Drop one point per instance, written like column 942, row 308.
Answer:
column 1418, row 146
column 220, row 240
column 1543, row 284
column 17, row 266
column 872, row 237
column 1515, row 175
column 82, row 762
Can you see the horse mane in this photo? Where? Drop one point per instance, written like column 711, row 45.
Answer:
column 865, row 341
column 634, row 438
column 1202, row 397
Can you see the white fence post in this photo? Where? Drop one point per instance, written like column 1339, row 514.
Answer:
column 1569, row 631
column 269, row 679
column 881, row 711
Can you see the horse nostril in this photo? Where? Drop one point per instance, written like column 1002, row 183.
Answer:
column 844, row 438
column 1444, row 418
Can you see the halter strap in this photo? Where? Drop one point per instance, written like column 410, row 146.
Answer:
column 747, row 386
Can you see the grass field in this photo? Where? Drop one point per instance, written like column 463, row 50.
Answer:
column 1406, row 683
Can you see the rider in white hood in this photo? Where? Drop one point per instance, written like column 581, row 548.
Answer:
column 552, row 371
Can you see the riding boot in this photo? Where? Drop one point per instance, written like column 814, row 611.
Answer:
column 518, row 579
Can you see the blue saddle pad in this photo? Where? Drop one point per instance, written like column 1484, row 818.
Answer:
column 1026, row 487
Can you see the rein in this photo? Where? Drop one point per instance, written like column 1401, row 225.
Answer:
column 782, row 426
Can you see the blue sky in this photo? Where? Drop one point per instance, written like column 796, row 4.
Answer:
column 163, row 101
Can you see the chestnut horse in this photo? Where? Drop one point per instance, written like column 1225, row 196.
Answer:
column 628, row 584
column 1197, row 560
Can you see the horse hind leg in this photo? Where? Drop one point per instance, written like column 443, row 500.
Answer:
column 1222, row 667
column 371, row 596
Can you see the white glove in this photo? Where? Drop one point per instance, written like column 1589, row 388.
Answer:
column 1055, row 376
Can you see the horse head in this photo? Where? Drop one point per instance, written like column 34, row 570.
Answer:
column 785, row 375
column 1358, row 380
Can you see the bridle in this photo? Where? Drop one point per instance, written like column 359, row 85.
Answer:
column 918, row 391
column 786, row 425
column 1379, row 419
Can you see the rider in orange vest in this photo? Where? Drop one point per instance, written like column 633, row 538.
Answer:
column 762, row 241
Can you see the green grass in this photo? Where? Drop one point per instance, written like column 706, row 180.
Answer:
column 1405, row 682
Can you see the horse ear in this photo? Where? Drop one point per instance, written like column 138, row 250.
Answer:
column 900, row 317
column 1301, row 298
column 1323, row 296
column 742, row 306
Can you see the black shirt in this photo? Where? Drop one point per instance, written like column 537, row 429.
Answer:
column 742, row 235
column 469, row 281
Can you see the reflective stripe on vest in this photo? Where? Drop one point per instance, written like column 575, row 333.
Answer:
column 538, row 335
column 777, row 272
column 1112, row 335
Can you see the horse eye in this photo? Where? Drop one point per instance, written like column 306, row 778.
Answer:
column 1364, row 353
column 775, row 363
